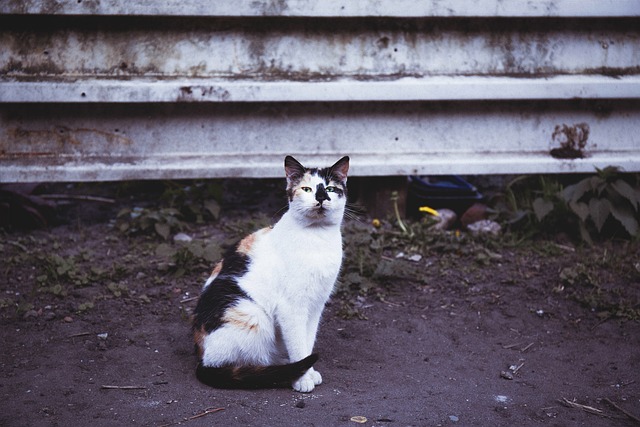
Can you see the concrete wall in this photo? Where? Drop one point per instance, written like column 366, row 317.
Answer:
column 106, row 90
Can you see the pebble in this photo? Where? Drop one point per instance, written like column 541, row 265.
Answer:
column 182, row 237
column 486, row 226
column 30, row 314
column 506, row 375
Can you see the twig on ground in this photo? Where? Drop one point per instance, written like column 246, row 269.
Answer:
column 628, row 414
column 195, row 417
column 392, row 304
column 564, row 247
column 527, row 347
column 188, row 300
column 589, row 409
column 81, row 334
column 606, row 319
column 508, row 346
column 77, row 197
column 123, row 387
column 517, row 368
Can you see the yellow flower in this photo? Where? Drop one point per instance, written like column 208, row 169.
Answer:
column 376, row 223
column 429, row 210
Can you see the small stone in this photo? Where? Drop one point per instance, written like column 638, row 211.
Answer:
column 300, row 404
column 182, row 237
column 30, row 314
column 506, row 375
column 454, row 419
column 485, row 226
column 68, row 319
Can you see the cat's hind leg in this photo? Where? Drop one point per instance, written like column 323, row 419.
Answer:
column 246, row 338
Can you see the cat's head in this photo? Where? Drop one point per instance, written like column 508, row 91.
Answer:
column 317, row 196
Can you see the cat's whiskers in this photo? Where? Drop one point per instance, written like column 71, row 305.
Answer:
column 354, row 212
column 277, row 213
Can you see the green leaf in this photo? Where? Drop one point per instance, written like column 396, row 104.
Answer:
column 165, row 251
column 608, row 173
column 626, row 191
column 598, row 185
column 196, row 249
column 351, row 279
column 213, row 207
column 212, row 252
column 626, row 217
column 581, row 209
column 599, row 209
column 584, row 233
column 542, row 207
column 163, row 229
column 573, row 193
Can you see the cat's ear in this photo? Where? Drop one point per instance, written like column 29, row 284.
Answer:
column 340, row 169
column 293, row 168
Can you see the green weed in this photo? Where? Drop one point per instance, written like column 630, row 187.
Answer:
column 603, row 205
column 182, row 257
column 182, row 204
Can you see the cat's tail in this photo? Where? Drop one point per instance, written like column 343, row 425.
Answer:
column 247, row 377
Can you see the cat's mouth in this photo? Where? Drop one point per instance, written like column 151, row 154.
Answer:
column 320, row 209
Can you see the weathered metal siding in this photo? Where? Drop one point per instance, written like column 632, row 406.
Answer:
column 103, row 90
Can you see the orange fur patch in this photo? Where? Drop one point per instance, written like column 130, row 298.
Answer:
column 246, row 244
column 198, row 338
column 244, row 247
column 216, row 271
column 240, row 320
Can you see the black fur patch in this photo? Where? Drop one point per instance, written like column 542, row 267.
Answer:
column 328, row 176
column 222, row 292
column 321, row 194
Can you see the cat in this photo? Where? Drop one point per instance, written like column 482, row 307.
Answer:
column 257, row 316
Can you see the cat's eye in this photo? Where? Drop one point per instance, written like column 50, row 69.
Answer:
column 330, row 189
column 306, row 189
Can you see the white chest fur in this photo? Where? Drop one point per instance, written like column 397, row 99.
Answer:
column 294, row 264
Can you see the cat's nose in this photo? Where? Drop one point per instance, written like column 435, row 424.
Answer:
column 321, row 194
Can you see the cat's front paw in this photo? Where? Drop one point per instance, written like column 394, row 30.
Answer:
column 305, row 384
column 315, row 376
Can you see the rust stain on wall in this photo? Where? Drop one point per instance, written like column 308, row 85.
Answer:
column 59, row 140
column 572, row 141
column 194, row 93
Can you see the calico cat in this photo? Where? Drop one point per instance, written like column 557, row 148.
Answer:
column 256, row 319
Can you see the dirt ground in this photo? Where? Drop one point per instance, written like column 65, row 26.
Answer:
column 95, row 331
